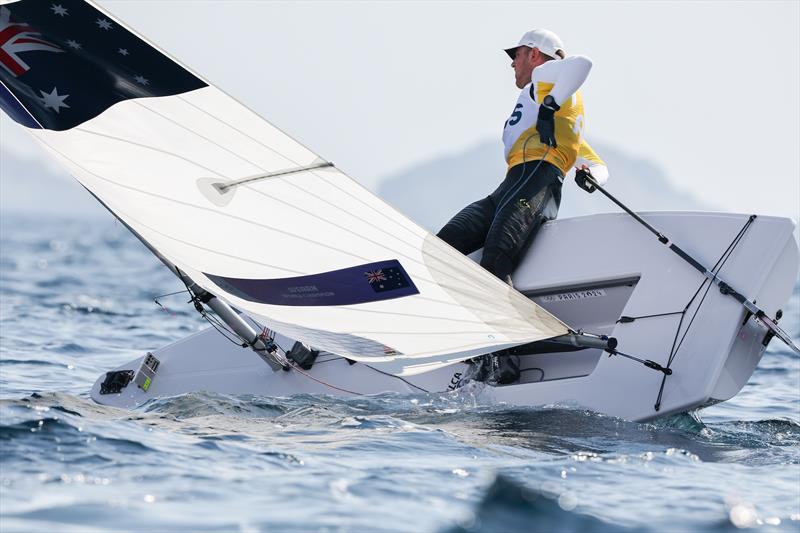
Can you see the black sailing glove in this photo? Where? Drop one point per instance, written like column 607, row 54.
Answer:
column 581, row 176
column 545, row 124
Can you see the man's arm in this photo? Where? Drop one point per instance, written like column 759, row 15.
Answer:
column 566, row 75
column 587, row 156
column 589, row 160
column 563, row 78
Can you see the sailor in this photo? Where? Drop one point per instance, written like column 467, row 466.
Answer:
column 543, row 141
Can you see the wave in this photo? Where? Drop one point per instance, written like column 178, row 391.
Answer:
column 510, row 506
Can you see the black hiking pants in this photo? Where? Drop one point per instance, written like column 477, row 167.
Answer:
column 506, row 222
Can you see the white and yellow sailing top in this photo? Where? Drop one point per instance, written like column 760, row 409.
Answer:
column 561, row 79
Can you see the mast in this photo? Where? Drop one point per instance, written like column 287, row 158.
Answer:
column 265, row 349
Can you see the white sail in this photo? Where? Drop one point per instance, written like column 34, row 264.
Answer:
column 310, row 253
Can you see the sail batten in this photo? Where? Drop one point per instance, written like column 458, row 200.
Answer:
column 310, row 253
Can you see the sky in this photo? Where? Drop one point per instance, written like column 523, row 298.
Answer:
column 710, row 91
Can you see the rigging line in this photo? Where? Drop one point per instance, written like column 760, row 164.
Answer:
column 293, row 364
column 675, row 344
column 164, row 308
column 646, row 362
column 628, row 319
column 205, row 315
column 715, row 269
column 168, row 294
column 674, row 351
column 689, row 325
column 309, row 376
column 396, row 377
column 222, row 332
column 222, row 325
column 721, row 263
column 735, row 242
column 322, row 361
column 717, row 265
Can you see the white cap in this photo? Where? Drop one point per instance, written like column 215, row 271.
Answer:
column 546, row 41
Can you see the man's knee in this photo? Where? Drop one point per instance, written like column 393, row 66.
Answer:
column 467, row 230
column 455, row 238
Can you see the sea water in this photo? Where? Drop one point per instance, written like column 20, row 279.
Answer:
column 76, row 299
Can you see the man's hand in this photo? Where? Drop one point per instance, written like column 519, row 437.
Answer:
column 581, row 175
column 545, row 124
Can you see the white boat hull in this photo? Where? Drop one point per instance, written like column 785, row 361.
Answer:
column 589, row 272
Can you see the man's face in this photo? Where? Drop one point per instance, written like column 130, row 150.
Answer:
column 523, row 64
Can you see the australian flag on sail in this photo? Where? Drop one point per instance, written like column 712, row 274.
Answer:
column 386, row 279
column 63, row 62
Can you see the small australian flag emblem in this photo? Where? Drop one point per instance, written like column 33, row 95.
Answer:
column 386, row 279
